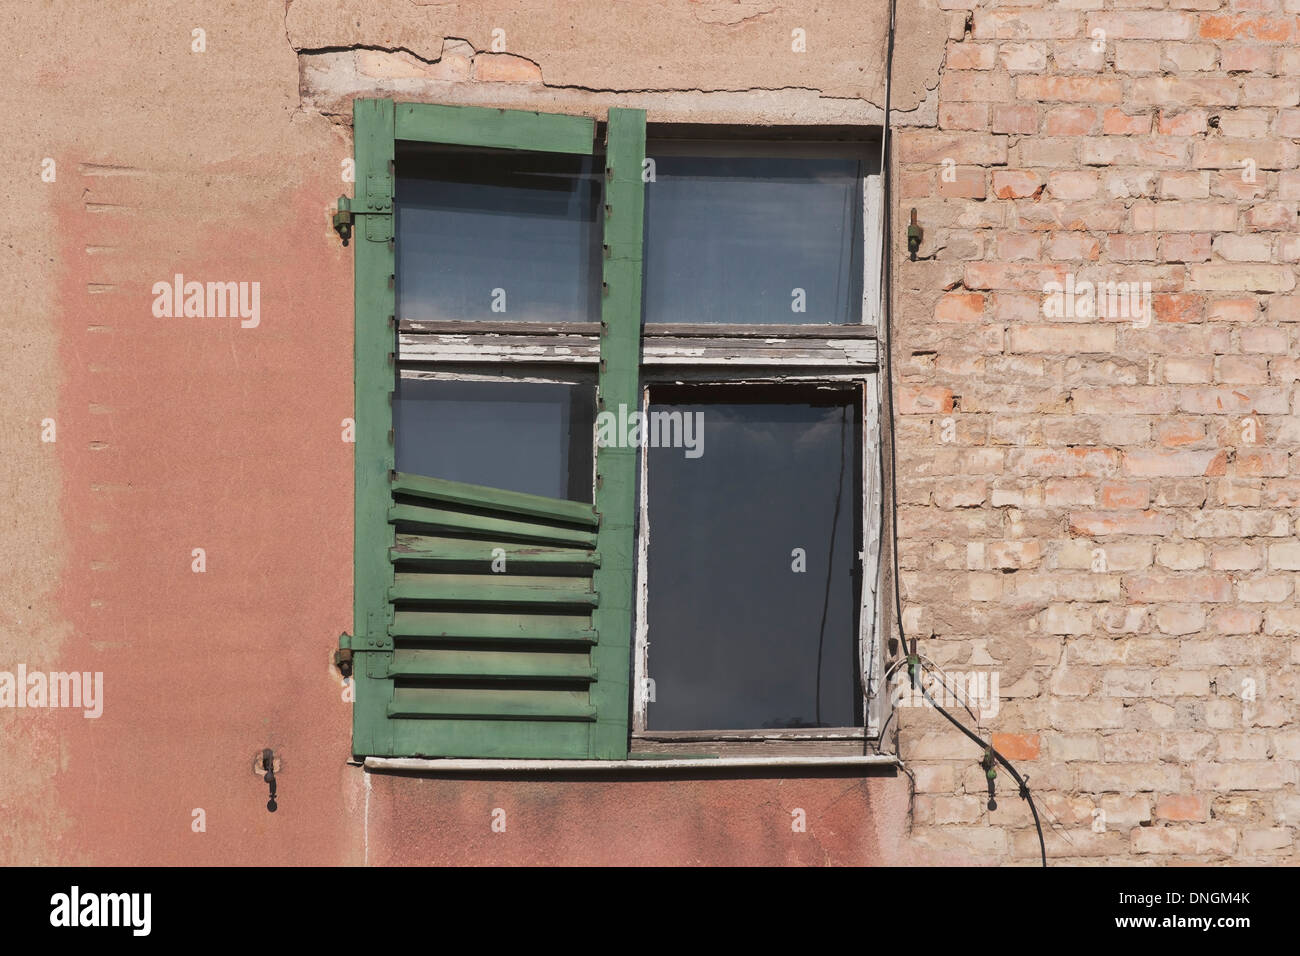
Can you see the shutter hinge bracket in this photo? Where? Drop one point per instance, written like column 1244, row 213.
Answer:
column 379, row 207
column 343, row 656
column 377, row 629
column 375, row 203
column 343, row 219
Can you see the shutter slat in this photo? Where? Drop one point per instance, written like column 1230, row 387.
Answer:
column 503, row 705
column 486, row 526
column 543, row 628
column 523, row 582
column 495, row 499
column 492, row 665
column 473, row 593
column 414, row 547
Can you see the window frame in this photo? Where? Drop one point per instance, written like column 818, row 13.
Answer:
column 827, row 741
column 561, row 352
column 767, row 354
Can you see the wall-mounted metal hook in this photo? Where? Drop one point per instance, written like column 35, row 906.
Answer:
column 268, row 764
column 990, row 773
column 914, row 235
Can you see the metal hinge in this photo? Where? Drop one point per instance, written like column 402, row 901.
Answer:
column 343, row 219
column 375, row 204
column 343, row 656
column 379, row 207
column 379, row 194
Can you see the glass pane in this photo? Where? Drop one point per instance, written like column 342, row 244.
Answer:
column 753, row 590
column 497, row 235
column 754, row 240
column 528, row 437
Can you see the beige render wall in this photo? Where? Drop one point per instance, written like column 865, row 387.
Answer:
column 166, row 160
column 1124, row 685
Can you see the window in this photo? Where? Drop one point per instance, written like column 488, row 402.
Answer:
column 617, row 450
column 752, row 561
column 753, row 233
column 522, row 436
column 495, row 235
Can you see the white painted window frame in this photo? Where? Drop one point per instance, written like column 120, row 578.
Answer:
column 852, row 360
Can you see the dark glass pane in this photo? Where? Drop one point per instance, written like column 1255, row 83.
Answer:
column 738, row 638
column 527, row 437
column 497, row 235
column 728, row 239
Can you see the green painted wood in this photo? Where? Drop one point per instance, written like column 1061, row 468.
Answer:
column 616, row 468
column 515, row 581
column 483, row 526
column 373, row 451
column 494, row 626
column 498, row 129
column 492, row 665
column 426, row 549
column 433, row 589
column 512, row 620
column 495, row 499
column 489, row 739
column 454, row 704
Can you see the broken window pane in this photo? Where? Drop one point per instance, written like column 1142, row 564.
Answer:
column 753, row 239
column 752, row 561
column 497, row 235
column 520, row 436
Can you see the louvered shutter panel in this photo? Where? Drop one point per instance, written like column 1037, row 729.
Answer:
column 451, row 659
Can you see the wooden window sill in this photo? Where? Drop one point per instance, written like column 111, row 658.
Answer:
column 457, row 765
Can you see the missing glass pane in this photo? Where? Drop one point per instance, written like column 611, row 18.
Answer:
column 753, row 580
column 519, row 436
column 497, row 235
column 753, row 239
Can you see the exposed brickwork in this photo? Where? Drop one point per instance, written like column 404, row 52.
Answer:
column 1102, row 510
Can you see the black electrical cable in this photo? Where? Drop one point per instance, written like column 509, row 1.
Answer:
column 886, row 339
column 988, row 747
column 830, row 562
column 887, row 414
column 886, row 411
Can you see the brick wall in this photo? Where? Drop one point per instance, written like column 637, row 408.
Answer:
column 1102, row 510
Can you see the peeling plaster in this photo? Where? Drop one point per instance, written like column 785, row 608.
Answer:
column 713, row 62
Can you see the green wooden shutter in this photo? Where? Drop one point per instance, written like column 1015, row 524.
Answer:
column 450, row 659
